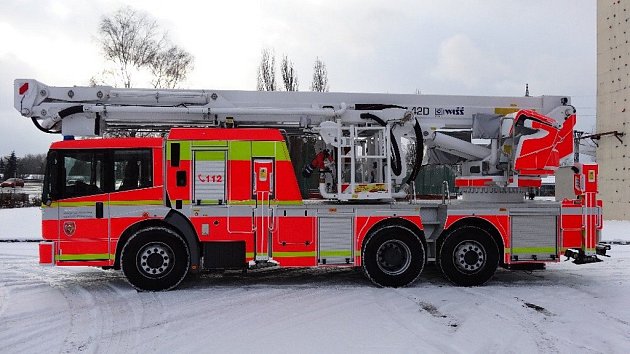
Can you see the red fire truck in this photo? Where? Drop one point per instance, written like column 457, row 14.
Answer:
column 215, row 188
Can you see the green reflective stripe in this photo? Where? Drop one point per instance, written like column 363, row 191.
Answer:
column 241, row 202
column 264, row 148
column 282, row 153
column 203, row 143
column 276, row 149
column 240, row 150
column 209, row 156
column 111, row 203
column 294, row 254
column 287, row 202
column 336, row 253
column 534, row 250
column 84, row 257
column 184, row 150
column 286, row 254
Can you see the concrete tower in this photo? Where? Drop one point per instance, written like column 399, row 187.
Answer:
column 613, row 106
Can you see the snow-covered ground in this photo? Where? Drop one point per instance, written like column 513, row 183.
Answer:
column 566, row 308
column 20, row 224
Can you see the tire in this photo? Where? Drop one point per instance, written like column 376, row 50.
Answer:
column 393, row 256
column 155, row 259
column 469, row 256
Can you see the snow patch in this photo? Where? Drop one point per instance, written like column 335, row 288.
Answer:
column 20, row 224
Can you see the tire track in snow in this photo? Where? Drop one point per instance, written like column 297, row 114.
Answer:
column 103, row 317
column 528, row 316
column 526, row 320
column 414, row 328
column 23, row 289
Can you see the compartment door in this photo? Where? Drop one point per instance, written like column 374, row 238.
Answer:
column 209, row 180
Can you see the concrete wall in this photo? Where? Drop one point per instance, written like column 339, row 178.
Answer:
column 613, row 106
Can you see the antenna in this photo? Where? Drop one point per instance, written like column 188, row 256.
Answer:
column 526, row 90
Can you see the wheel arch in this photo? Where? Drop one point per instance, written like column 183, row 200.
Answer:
column 174, row 221
column 479, row 223
column 395, row 221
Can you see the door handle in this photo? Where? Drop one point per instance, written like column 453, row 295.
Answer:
column 99, row 210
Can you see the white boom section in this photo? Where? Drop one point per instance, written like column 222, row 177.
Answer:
column 364, row 129
column 90, row 111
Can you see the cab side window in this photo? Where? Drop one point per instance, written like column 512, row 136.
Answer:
column 83, row 173
column 132, row 169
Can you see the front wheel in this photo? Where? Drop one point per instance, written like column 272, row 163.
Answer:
column 469, row 256
column 155, row 259
column 393, row 256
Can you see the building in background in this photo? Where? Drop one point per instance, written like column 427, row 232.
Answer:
column 613, row 107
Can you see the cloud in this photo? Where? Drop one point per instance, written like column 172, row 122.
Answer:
column 463, row 61
column 16, row 132
column 398, row 46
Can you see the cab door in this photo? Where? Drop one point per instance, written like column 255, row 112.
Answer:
column 83, row 208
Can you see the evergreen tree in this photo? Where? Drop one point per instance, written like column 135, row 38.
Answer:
column 11, row 166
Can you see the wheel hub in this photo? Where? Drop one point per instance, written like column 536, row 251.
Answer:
column 470, row 256
column 393, row 257
column 155, row 259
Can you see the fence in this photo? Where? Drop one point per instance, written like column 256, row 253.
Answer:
column 15, row 200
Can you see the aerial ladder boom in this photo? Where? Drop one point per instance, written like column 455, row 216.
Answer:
column 364, row 129
column 164, row 108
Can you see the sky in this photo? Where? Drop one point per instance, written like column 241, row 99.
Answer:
column 490, row 47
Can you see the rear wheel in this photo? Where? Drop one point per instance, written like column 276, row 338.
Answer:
column 393, row 256
column 469, row 256
column 155, row 259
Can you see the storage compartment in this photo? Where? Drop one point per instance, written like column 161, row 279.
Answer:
column 335, row 240
column 534, row 237
column 209, row 177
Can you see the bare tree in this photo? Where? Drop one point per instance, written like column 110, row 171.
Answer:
column 320, row 77
column 267, row 71
column 106, row 77
column 289, row 76
column 170, row 67
column 32, row 164
column 132, row 41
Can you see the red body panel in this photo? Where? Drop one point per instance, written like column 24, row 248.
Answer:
column 240, row 176
column 288, row 189
column 538, row 154
column 176, row 192
column 108, row 143
column 46, row 252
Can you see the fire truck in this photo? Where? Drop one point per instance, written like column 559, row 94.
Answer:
column 213, row 186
